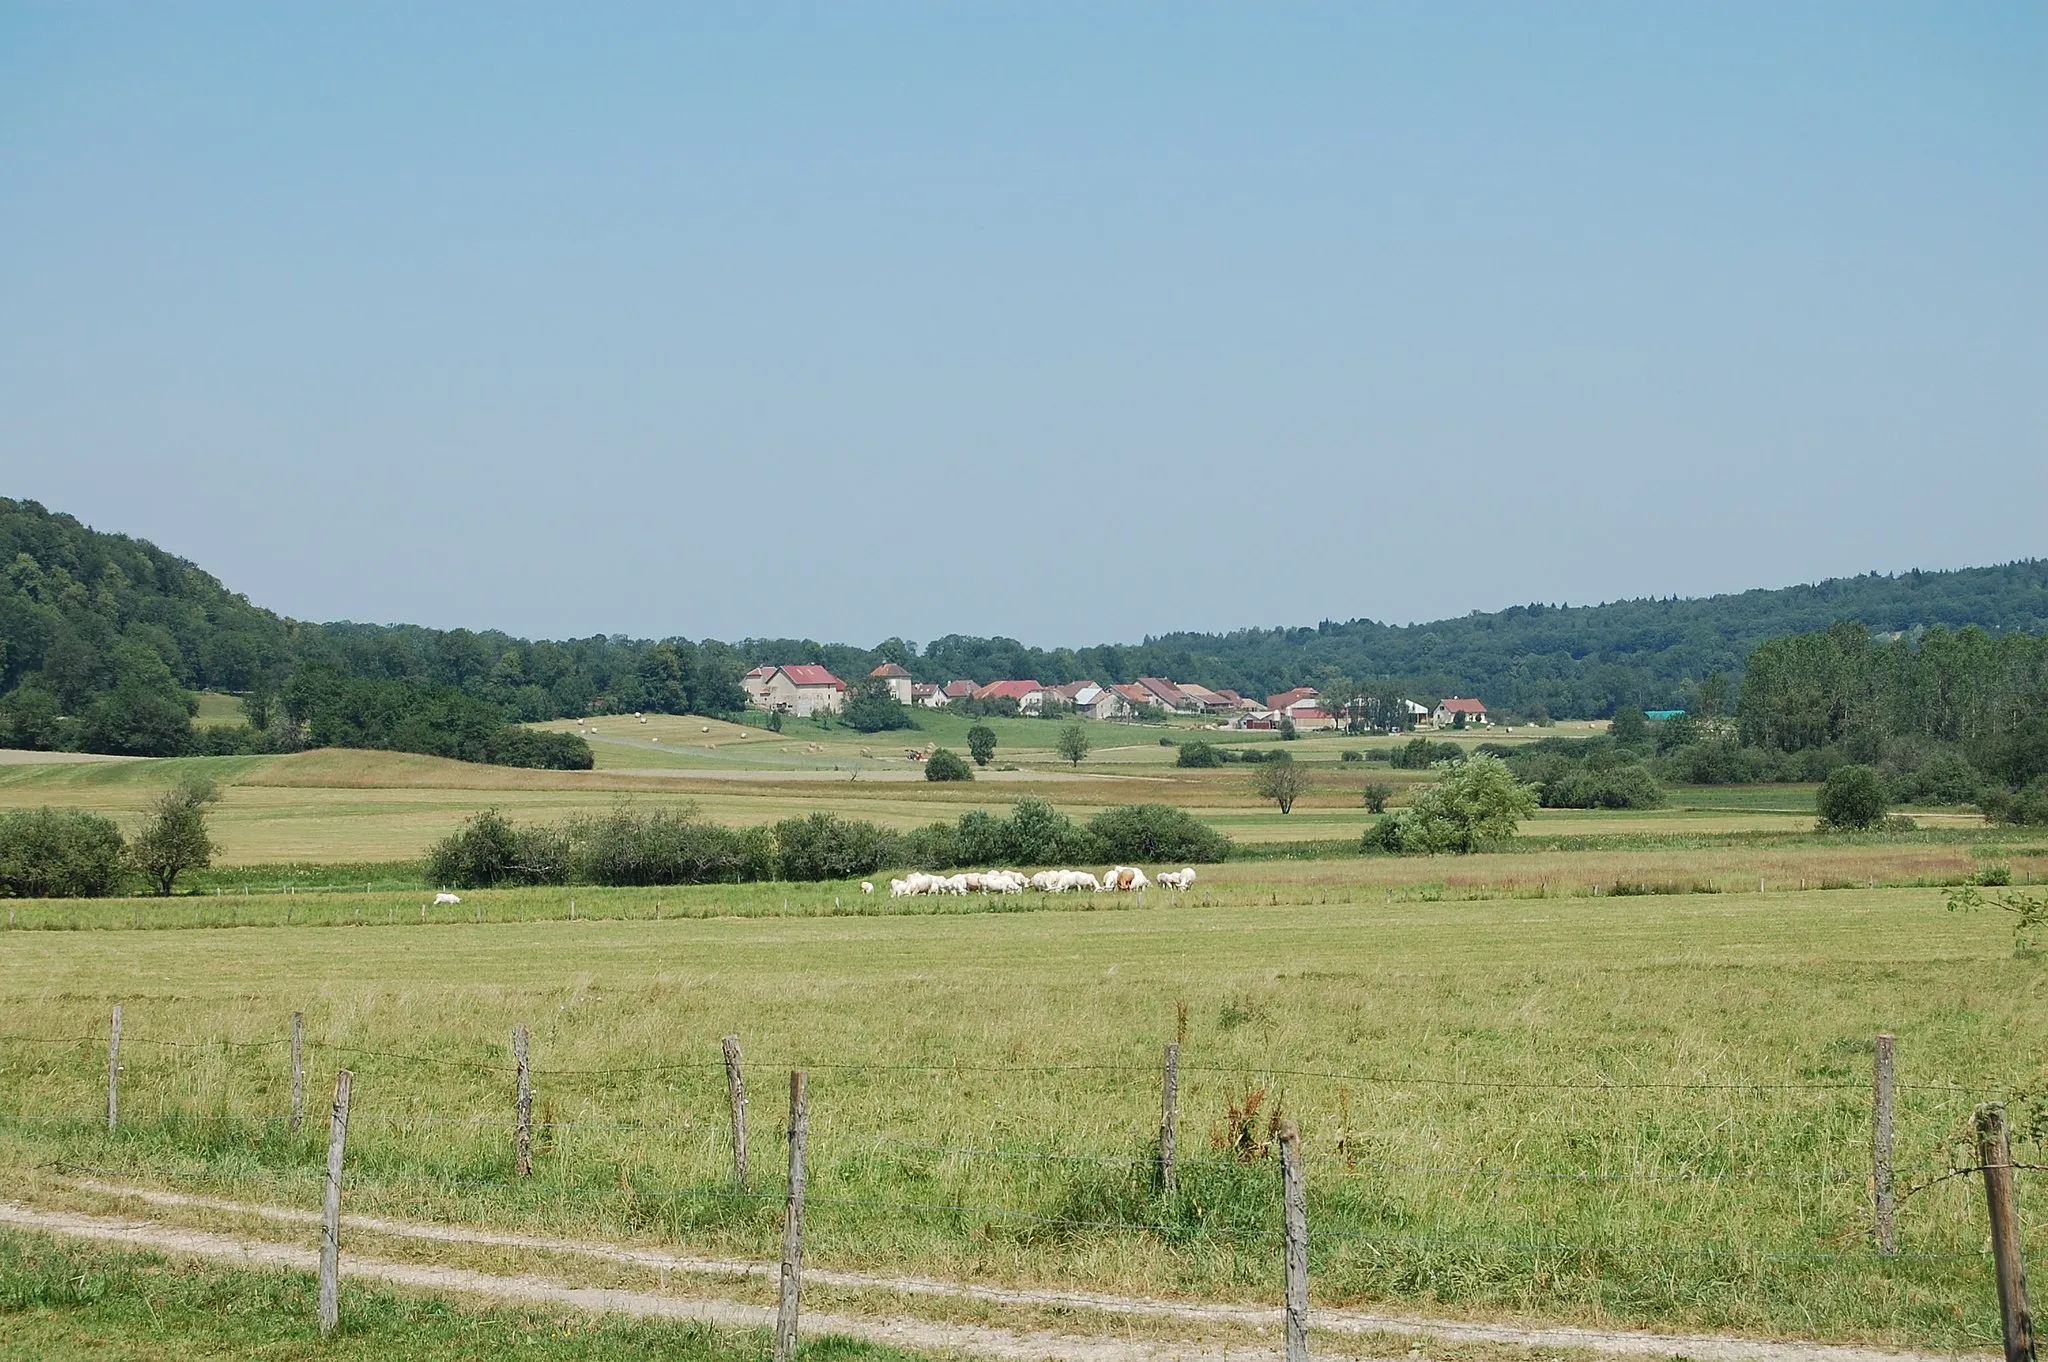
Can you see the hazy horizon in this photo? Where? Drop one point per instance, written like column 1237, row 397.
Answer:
column 1067, row 325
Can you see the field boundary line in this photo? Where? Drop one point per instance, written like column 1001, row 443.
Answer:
column 1702, row 1347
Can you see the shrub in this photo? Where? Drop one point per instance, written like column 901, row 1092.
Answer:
column 823, row 847
column 1852, row 797
column 1419, row 754
column 621, row 847
column 1377, row 793
column 483, row 852
column 947, row 765
column 2028, row 808
column 1352, row 754
column 931, row 847
column 539, row 749
column 59, row 853
column 1156, row 832
column 1617, row 787
column 1478, row 804
column 874, row 708
column 1198, row 753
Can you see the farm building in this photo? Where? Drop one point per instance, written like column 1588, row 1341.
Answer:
column 1029, row 695
column 1137, row 697
column 1166, row 695
column 801, row 689
column 1446, row 713
column 961, row 689
column 1100, row 702
column 899, row 681
column 929, row 695
column 1204, row 699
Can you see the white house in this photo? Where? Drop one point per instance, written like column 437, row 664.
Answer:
column 1446, row 713
column 900, row 684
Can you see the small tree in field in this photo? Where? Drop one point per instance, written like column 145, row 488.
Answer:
column 945, row 765
column 1377, row 793
column 1282, row 782
column 1477, row 804
column 1852, row 797
column 981, row 743
column 174, row 838
column 1073, row 744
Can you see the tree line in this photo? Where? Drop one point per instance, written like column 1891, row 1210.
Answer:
column 103, row 637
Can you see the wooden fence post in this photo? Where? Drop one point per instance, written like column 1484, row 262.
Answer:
column 298, row 1071
column 736, row 1092
column 1884, row 1222
column 114, row 1070
column 793, row 1219
column 1294, row 1204
column 1169, row 1102
column 330, row 1216
column 1994, row 1157
column 522, row 1127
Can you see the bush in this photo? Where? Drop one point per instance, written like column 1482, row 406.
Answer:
column 622, row 847
column 1352, row 754
column 59, row 853
column 1617, row 787
column 1156, row 832
column 947, row 765
column 1853, row 798
column 1419, row 754
column 1377, row 793
column 931, row 847
column 1717, row 761
column 875, row 709
column 1197, row 753
column 483, row 852
column 2028, row 808
column 1476, row 805
column 822, row 847
column 538, row 749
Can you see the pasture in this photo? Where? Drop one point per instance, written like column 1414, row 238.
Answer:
column 1644, row 1110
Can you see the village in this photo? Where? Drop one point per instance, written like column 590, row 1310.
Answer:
column 805, row 689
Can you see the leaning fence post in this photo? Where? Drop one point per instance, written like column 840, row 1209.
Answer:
column 1994, row 1158
column 522, row 1129
column 793, row 1219
column 1169, row 1101
column 330, row 1218
column 298, row 1071
column 114, row 1069
column 736, row 1092
column 1294, row 1204
column 1884, row 1223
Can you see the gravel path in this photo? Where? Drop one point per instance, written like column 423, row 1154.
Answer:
column 906, row 1332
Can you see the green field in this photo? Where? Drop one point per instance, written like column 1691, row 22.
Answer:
column 1645, row 1110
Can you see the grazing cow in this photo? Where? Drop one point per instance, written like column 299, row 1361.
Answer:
column 1176, row 879
column 898, row 888
column 1124, row 877
column 867, row 887
column 440, row 899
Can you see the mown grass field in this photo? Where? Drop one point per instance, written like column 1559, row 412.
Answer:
column 1650, row 1110
column 349, row 806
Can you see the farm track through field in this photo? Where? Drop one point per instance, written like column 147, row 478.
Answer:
column 899, row 1331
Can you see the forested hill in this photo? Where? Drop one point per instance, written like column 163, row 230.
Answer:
column 108, row 631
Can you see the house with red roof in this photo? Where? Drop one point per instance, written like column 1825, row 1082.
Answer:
column 1029, row 695
column 800, row 689
column 1137, row 697
column 960, row 690
column 899, row 681
column 1204, row 699
column 928, row 695
column 1446, row 713
column 1167, row 695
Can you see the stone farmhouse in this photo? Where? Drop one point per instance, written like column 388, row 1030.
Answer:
column 802, row 689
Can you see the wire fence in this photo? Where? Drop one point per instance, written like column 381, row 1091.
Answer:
column 1372, row 1195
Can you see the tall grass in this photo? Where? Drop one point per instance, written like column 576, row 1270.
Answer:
column 1650, row 1111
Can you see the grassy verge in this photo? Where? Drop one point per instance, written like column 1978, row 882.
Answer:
column 61, row 1301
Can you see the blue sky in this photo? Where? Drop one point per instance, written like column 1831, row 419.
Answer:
column 1073, row 323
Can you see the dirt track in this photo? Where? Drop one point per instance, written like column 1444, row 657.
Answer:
column 908, row 1332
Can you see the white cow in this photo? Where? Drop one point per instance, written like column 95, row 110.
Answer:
column 867, row 887
column 1176, row 879
column 440, row 899
column 1123, row 877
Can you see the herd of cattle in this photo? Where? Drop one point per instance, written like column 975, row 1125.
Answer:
column 1122, row 878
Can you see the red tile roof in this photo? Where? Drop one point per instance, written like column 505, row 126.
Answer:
column 1137, row 695
column 960, row 690
column 1288, row 697
column 1007, row 690
column 1457, row 706
column 1072, row 689
column 889, row 670
column 811, row 674
column 1163, row 692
